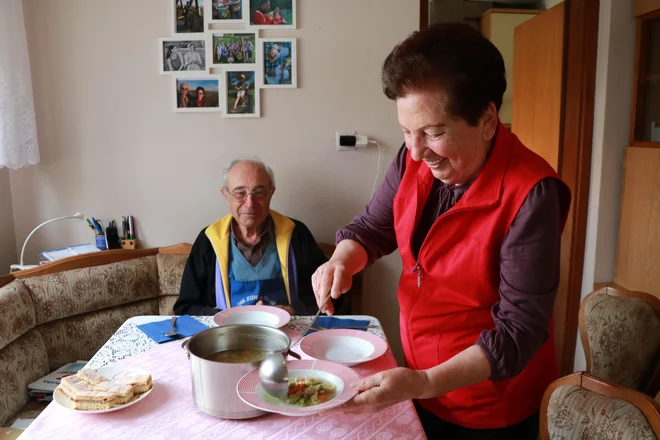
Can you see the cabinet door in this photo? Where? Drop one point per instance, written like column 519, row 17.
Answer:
column 645, row 6
column 538, row 62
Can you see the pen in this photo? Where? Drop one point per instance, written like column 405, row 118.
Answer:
column 131, row 232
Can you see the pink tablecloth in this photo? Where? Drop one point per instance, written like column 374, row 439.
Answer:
column 169, row 413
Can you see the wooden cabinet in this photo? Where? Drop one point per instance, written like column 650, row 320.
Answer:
column 498, row 26
column 645, row 6
column 537, row 87
column 645, row 120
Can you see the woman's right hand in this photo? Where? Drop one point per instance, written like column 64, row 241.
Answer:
column 331, row 278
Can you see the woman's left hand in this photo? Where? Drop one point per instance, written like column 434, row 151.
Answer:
column 386, row 388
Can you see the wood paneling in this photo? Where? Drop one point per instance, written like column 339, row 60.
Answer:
column 176, row 249
column 5, row 279
column 86, row 260
column 538, row 56
column 638, row 251
column 645, row 6
column 575, row 166
column 498, row 26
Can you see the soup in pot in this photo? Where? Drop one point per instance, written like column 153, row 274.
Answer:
column 238, row 356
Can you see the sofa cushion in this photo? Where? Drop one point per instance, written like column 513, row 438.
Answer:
column 78, row 291
column 575, row 412
column 170, row 272
column 80, row 337
column 31, row 410
column 166, row 305
column 21, row 363
column 16, row 310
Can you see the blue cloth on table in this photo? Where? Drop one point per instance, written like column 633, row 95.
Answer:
column 329, row 322
column 185, row 326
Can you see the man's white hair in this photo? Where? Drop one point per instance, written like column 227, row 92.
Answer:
column 254, row 161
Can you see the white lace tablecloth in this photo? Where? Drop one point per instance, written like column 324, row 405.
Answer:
column 169, row 412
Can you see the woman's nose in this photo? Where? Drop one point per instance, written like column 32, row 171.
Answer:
column 417, row 147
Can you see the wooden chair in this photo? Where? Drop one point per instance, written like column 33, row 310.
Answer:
column 582, row 406
column 620, row 333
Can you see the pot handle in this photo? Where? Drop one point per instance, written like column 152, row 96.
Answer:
column 293, row 354
column 184, row 345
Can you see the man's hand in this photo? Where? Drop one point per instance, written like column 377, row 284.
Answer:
column 331, row 278
column 385, row 389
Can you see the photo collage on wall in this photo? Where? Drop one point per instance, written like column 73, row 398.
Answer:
column 220, row 61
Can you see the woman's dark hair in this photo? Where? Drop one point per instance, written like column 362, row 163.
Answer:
column 200, row 88
column 170, row 48
column 454, row 58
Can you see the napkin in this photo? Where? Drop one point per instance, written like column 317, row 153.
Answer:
column 329, row 322
column 185, row 326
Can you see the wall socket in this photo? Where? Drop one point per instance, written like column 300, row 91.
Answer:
column 344, row 147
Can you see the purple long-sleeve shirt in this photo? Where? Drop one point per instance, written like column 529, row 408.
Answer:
column 529, row 260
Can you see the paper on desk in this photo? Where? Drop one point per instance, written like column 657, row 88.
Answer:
column 70, row 251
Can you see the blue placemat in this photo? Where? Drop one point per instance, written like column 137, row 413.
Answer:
column 329, row 322
column 185, row 326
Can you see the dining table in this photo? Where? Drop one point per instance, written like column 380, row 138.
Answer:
column 169, row 412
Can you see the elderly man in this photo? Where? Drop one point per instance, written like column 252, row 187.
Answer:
column 253, row 255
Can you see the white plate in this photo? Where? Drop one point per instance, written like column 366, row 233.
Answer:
column 344, row 346
column 250, row 391
column 112, row 372
column 255, row 315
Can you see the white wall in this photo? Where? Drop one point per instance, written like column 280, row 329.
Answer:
column 614, row 77
column 7, row 238
column 111, row 144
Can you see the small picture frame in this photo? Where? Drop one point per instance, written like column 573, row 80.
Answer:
column 184, row 54
column 278, row 63
column 188, row 16
column 272, row 14
column 227, row 11
column 229, row 48
column 198, row 94
column 241, row 94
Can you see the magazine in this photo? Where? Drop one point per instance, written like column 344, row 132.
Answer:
column 44, row 387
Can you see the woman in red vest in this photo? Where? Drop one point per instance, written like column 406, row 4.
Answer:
column 477, row 218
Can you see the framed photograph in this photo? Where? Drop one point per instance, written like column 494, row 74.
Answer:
column 233, row 47
column 197, row 94
column 273, row 14
column 240, row 92
column 278, row 63
column 183, row 54
column 188, row 16
column 227, row 11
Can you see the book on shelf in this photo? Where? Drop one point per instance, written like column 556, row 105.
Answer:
column 45, row 386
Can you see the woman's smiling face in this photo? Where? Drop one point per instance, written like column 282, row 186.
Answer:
column 454, row 150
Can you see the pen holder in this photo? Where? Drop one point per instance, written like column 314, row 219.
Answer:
column 100, row 242
column 129, row 244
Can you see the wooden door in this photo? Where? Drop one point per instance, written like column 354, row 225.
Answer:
column 538, row 62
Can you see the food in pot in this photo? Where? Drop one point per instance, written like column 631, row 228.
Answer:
column 308, row 391
column 238, row 356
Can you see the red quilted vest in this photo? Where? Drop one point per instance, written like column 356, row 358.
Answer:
column 446, row 296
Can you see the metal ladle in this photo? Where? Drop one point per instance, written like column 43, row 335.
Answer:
column 273, row 373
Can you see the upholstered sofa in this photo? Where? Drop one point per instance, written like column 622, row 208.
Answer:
column 65, row 311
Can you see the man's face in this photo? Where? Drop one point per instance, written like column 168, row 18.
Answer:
column 248, row 194
column 184, row 89
column 265, row 6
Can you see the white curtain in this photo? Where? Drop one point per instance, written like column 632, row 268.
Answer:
column 19, row 146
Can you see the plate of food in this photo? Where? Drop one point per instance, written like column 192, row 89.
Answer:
column 314, row 386
column 255, row 315
column 344, row 346
column 102, row 390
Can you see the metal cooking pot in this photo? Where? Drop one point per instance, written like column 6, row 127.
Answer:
column 214, row 383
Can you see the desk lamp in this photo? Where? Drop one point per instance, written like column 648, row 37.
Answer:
column 22, row 266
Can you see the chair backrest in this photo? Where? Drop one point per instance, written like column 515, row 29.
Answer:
column 620, row 333
column 583, row 406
